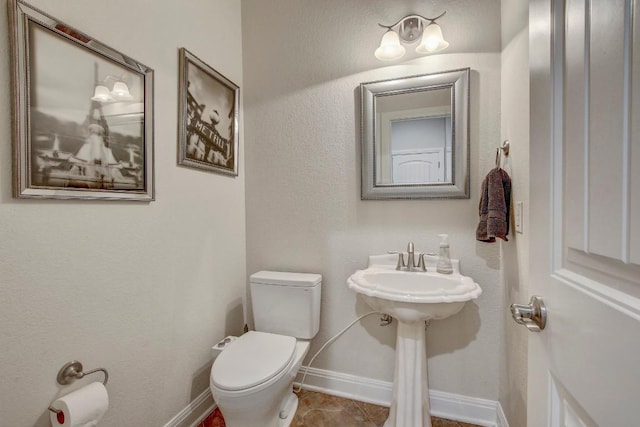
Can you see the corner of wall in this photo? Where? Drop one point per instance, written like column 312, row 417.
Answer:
column 515, row 259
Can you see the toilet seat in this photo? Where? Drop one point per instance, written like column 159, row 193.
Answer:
column 251, row 360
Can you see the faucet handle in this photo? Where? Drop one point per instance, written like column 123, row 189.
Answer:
column 421, row 265
column 410, row 247
column 401, row 265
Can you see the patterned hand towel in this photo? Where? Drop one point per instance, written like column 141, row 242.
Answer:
column 495, row 200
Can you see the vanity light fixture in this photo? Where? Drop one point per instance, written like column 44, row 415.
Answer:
column 120, row 91
column 410, row 29
column 102, row 94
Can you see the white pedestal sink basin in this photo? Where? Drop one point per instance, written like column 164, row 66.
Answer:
column 411, row 298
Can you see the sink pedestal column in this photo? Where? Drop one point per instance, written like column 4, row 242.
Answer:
column 410, row 401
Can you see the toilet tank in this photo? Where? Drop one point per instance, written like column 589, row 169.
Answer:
column 286, row 303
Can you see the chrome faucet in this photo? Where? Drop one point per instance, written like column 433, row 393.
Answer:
column 411, row 262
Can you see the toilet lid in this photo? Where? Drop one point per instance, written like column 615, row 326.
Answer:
column 252, row 359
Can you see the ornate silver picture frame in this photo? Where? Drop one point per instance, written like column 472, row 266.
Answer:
column 208, row 117
column 83, row 114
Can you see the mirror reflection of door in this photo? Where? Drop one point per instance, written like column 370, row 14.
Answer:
column 416, row 168
column 420, row 149
column 414, row 144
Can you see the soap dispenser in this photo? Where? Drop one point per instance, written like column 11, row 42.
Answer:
column 444, row 258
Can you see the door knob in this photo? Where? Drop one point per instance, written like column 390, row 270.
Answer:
column 532, row 315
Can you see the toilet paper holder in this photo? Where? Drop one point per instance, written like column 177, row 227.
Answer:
column 72, row 371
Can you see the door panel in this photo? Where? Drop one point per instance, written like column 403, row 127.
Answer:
column 567, row 409
column 418, row 167
column 634, row 148
column 605, row 65
column 585, row 213
column 599, row 202
column 576, row 148
column 590, row 355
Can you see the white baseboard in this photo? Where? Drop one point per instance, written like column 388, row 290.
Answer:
column 456, row 407
column 482, row 412
column 467, row 409
column 345, row 385
column 195, row 412
column 501, row 420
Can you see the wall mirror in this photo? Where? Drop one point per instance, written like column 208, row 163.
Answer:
column 415, row 137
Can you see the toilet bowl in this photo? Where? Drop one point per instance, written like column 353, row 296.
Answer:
column 252, row 380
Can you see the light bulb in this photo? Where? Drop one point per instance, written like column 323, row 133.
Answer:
column 390, row 47
column 101, row 94
column 121, row 91
column 432, row 40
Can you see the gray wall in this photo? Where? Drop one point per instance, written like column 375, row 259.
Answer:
column 304, row 212
column 515, row 253
column 142, row 289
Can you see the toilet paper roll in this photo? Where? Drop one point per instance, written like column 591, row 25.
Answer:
column 81, row 408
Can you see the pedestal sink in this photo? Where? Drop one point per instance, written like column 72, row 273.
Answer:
column 411, row 298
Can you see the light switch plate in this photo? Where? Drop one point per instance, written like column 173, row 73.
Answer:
column 519, row 218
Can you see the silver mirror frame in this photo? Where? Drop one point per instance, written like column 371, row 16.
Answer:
column 458, row 81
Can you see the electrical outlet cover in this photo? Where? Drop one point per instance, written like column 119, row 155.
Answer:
column 519, row 218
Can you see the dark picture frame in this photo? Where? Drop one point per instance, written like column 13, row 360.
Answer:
column 208, row 117
column 82, row 114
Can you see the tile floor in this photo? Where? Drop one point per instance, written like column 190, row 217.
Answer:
column 321, row 410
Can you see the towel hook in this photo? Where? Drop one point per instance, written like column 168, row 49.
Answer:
column 503, row 149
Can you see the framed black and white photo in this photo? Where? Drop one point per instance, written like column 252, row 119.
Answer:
column 208, row 117
column 83, row 114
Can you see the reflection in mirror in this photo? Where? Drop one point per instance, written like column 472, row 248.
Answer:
column 415, row 137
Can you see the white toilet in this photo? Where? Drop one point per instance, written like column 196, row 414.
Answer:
column 252, row 379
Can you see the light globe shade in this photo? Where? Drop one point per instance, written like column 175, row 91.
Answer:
column 101, row 94
column 432, row 40
column 121, row 91
column 390, row 47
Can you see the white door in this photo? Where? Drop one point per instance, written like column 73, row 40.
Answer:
column 584, row 368
column 418, row 167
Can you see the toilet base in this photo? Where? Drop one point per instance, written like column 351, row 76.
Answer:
column 271, row 404
column 261, row 416
column 288, row 411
